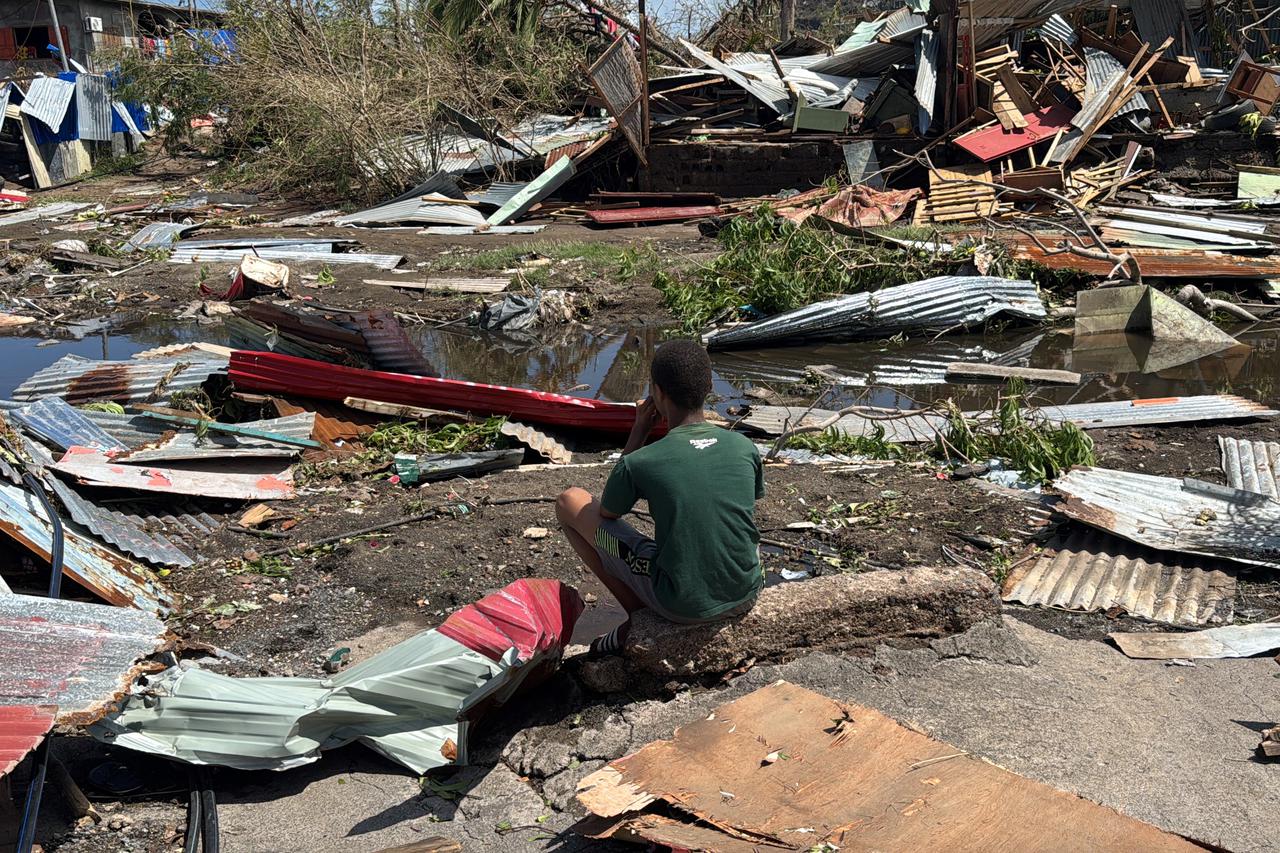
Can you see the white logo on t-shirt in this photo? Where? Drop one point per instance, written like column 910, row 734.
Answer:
column 703, row 443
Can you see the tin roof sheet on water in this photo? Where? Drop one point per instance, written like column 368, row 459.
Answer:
column 1251, row 465
column 1090, row 571
column 47, row 99
column 78, row 656
column 93, row 107
column 391, row 347
column 944, row 302
column 108, row 574
column 1186, row 516
column 83, row 380
column 22, row 728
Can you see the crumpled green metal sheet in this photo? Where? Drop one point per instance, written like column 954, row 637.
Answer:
column 408, row 703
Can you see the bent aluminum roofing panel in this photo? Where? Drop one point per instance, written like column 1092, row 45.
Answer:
column 1251, row 465
column 22, row 728
column 390, row 346
column 55, row 421
column 771, row 95
column 535, row 191
column 110, row 575
column 158, row 235
column 44, row 211
column 1159, row 410
column 1186, row 516
column 47, row 99
column 78, row 656
column 926, row 90
column 1091, row 571
column 93, row 107
column 119, row 530
column 213, row 256
column 82, row 380
column 1100, row 67
column 944, row 302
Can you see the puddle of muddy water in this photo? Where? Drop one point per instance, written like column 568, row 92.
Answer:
column 613, row 365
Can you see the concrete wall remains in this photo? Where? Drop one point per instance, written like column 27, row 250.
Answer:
column 737, row 169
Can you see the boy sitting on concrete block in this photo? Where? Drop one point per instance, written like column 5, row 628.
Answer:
column 701, row 482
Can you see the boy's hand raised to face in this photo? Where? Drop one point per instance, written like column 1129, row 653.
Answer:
column 647, row 417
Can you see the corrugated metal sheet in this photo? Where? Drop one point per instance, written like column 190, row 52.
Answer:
column 497, row 194
column 1186, row 516
column 251, row 244
column 47, row 99
column 945, row 302
column 391, row 347
column 108, row 574
column 158, row 235
column 1229, row 641
column 1159, row 410
column 1091, row 571
column 55, row 421
column 916, row 428
column 248, row 479
column 44, row 211
column 127, row 118
column 82, row 380
column 1101, row 67
column 618, row 78
column 416, row 210
column 926, row 90
column 231, row 256
column 637, row 215
column 6, row 91
column 408, row 702
column 93, row 107
column 118, row 529
column 871, row 59
column 22, row 727
column 78, row 656
column 467, row 230
column 538, row 441
column 535, row 191
column 1157, row 20
column 1059, row 29
column 1251, row 465
column 1215, row 225
column 245, row 334
column 772, row 95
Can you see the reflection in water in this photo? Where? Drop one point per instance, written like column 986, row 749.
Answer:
column 614, row 365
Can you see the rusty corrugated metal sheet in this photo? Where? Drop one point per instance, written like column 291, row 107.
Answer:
column 1251, row 465
column 82, row 380
column 81, row 657
column 1090, row 571
column 1155, row 263
column 22, row 728
column 108, row 574
column 1186, row 516
column 390, row 346
column 334, row 422
column 635, row 215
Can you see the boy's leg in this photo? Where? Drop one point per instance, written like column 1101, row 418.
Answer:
column 579, row 516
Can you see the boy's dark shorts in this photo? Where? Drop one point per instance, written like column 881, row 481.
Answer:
column 627, row 555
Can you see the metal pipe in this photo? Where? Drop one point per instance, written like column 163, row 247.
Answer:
column 644, row 80
column 31, row 810
column 57, row 33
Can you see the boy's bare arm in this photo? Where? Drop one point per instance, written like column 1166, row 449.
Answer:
column 647, row 417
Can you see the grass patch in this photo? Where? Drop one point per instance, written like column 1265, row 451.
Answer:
column 270, row 567
column 118, row 165
column 409, row 437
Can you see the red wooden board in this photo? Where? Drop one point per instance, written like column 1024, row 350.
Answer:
column 995, row 141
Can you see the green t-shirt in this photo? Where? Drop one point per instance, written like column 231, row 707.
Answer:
column 701, row 483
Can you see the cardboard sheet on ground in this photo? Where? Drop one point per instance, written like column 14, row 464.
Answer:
column 267, row 479
column 785, row 768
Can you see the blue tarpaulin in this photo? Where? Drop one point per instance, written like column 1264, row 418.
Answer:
column 70, row 128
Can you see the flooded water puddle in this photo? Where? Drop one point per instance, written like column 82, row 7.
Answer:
column 613, row 365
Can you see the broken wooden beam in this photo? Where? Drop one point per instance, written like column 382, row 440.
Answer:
column 409, row 413
column 969, row 371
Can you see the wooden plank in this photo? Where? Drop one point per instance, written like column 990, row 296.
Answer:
column 493, row 284
column 397, row 410
column 964, row 370
column 231, row 480
column 439, row 844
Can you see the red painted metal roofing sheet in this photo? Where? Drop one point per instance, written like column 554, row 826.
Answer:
column 995, row 141
column 271, row 372
column 634, row 215
column 22, row 727
column 534, row 616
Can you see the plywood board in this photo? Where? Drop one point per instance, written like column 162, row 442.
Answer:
column 789, row 768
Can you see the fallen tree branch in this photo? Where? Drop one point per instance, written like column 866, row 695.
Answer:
column 1194, row 298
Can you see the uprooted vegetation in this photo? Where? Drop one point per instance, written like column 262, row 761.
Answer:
column 1012, row 432
column 770, row 264
column 344, row 98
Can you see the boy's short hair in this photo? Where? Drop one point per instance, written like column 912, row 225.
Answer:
column 682, row 369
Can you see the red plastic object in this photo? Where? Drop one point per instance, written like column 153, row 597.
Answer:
column 641, row 215
column 22, row 727
column 534, row 616
column 995, row 141
column 285, row 374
